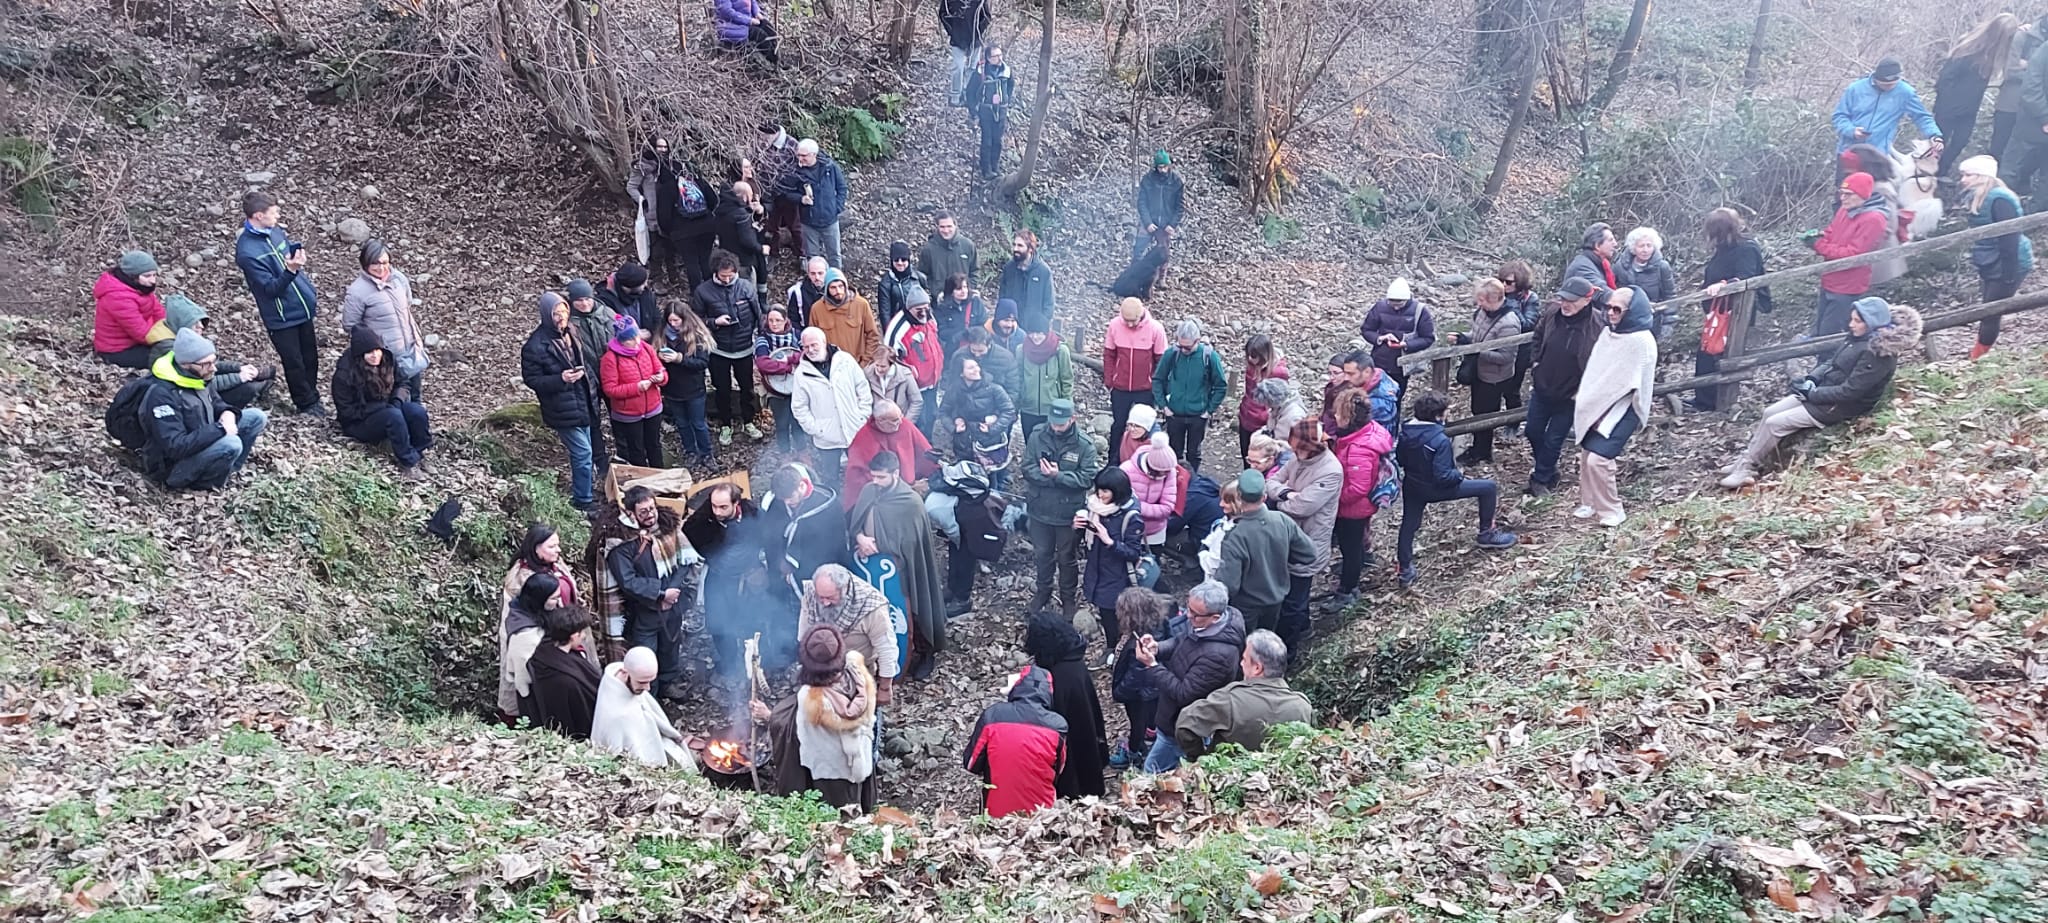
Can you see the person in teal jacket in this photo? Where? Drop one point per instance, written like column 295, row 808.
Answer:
column 1187, row 386
column 1870, row 109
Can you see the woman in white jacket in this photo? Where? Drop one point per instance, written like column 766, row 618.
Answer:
column 1613, row 402
column 830, row 398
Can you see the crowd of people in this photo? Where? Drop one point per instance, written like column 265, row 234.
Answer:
column 924, row 424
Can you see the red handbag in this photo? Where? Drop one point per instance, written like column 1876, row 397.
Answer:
column 1714, row 331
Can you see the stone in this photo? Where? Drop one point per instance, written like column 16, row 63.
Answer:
column 215, row 209
column 1450, row 279
column 432, row 340
column 353, row 230
column 195, row 260
column 370, row 192
column 1100, row 423
column 258, row 177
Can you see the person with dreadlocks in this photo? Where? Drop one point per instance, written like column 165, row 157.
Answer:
column 646, row 573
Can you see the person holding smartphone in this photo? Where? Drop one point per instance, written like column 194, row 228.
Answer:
column 273, row 266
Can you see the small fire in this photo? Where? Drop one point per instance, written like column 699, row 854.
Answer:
column 725, row 756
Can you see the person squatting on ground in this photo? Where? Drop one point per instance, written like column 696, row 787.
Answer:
column 192, row 439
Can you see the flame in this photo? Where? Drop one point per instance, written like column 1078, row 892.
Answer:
column 724, row 756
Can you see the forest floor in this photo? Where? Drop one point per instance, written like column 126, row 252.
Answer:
column 1826, row 694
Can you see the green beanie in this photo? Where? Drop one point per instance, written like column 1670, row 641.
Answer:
column 1162, row 158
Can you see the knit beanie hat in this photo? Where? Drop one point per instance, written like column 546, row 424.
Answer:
column 580, row 289
column 136, row 262
column 1143, row 416
column 1859, row 183
column 916, row 295
column 833, row 275
column 630, row 275
column 1251, row 485
column 1980, row 165
column 1161, row 459
column 191, row 347
column 1161, row 158
column 1006, row 309
column 1037, row 323
column 1398, row 290
column 899, row 250
column 624, row 329
column 822, row 654
column 1874, row 311
column 1887, row 69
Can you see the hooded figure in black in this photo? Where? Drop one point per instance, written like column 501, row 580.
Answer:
column 369, row 404
column 686, row 206
column 1056, row 647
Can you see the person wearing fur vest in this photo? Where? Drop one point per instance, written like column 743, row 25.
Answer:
column 1845, row 387
column 823, row 735
column 830, row 398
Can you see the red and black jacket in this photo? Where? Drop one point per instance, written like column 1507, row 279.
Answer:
column 1019, row 747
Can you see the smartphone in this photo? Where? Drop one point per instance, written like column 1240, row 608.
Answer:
column 294, row 249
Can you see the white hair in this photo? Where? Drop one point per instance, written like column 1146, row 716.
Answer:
column 1188, row 329
column 1214, row 595
column 884, row 406
column 807, row 146
column 1270, row 652
column 835, row 574
column 1650, row 234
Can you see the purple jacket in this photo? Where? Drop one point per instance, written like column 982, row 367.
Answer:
column 734, row 17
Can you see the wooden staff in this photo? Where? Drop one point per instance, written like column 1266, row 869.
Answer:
column 754, row 684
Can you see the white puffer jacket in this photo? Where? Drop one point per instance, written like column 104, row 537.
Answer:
column 831, row 409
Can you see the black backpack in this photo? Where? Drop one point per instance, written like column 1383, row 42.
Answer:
column 124, row 415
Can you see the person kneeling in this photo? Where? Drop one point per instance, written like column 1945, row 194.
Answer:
column 191, row 437
column 1845, row 387
column 370, row 405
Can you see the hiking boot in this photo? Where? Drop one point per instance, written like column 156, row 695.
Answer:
column 1582, row 512
column 1739, row 476
column 922, row 669
column 1613, row 519
column 1123, row 757
column 1495, row 539
column 1467, row 458
column 725, row 435
column 409, row 472
column 1407, row 576
column 956, row 608
column 1977, row 351
column 1534, row 489
column 753, row 432
column 317, row 410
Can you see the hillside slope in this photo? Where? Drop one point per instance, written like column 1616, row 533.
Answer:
column 1829, row 694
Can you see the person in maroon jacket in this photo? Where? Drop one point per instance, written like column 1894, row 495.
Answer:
column 1019, row 747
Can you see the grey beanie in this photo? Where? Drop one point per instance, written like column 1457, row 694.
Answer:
column 136, row 262
column 1874, row 311
column 581, row 288
column 190, row 347
column 915, row 295
column 547, row 302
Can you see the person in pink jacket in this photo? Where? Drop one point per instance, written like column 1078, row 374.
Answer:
column 1360, row 443
column 1131, row 348
column 632, row 376
column 125, row 307
column 1155, row 484
column 1262, row 360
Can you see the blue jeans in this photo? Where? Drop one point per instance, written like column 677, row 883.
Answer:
column 576, row 439
column 822, row 242
column 688, row 416
column 209, row 467
column 1165, row 755
column 1415, row 503
column 403, row 424
column 1549, row 425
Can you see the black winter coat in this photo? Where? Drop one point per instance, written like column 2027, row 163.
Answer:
column 736, row 231
column 640, row 305
column 1743, row 259
column 686, row 374
column 890, row 292
column 1851, row 383
column 360, row 391
column 1159, row 199
column 178, row 421
column 1191, row 667
column 813, row 536
column 739, row 300
column 1106, row 571
column 1059, row 650
column 546, row 355
column 1562, row 346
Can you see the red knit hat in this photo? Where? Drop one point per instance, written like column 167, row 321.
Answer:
column 1859, row 183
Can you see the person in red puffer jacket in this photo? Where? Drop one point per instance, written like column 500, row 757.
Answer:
column 632, row 375
column 1858, row 227
column 125, row 311
column 1019, row 747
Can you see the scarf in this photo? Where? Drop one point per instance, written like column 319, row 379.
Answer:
column 626, row 349
column 1042, row 353
column 1607, row 269
column 1620, row 374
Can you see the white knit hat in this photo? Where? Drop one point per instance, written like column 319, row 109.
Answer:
column 1143, row 416
column 1398, row 291
column 1980, row 165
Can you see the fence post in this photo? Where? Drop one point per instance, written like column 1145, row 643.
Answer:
column 1440, row 375
column 1738, row 343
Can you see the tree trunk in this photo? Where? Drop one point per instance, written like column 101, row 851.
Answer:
column 1624, row 55
column 1753, row 72
column 1525, row 96
column 1015, row 182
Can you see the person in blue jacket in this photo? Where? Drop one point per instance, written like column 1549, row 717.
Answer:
column 1429, row 474
column 817, row 187
column 1870, row 109
column 274, row 266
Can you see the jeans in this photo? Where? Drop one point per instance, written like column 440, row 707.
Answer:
column 688, row 416
column 1184, row 435
column 1056, row 547
column 789, row 437
column 1120, row 404
column 928, row 414
column 210, row 467
column 990, row 159
column 1165, row 755
column 1831, row 316
column 732, row 390
column 298, row 354
column 639, row 441
column 1294, row 621
column 1354, row 541
column 401, row 423
column 1486, row 398
column 1414, row 504
column 1549, row 425
column 576, row 440
column 822, row 242
column 662, row 634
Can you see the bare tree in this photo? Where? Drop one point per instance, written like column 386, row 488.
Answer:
column 1624, row 55
column 1015, row 182
column 1752, row 72
column 1518, row 118
column 565, row 58
column 900, row 29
